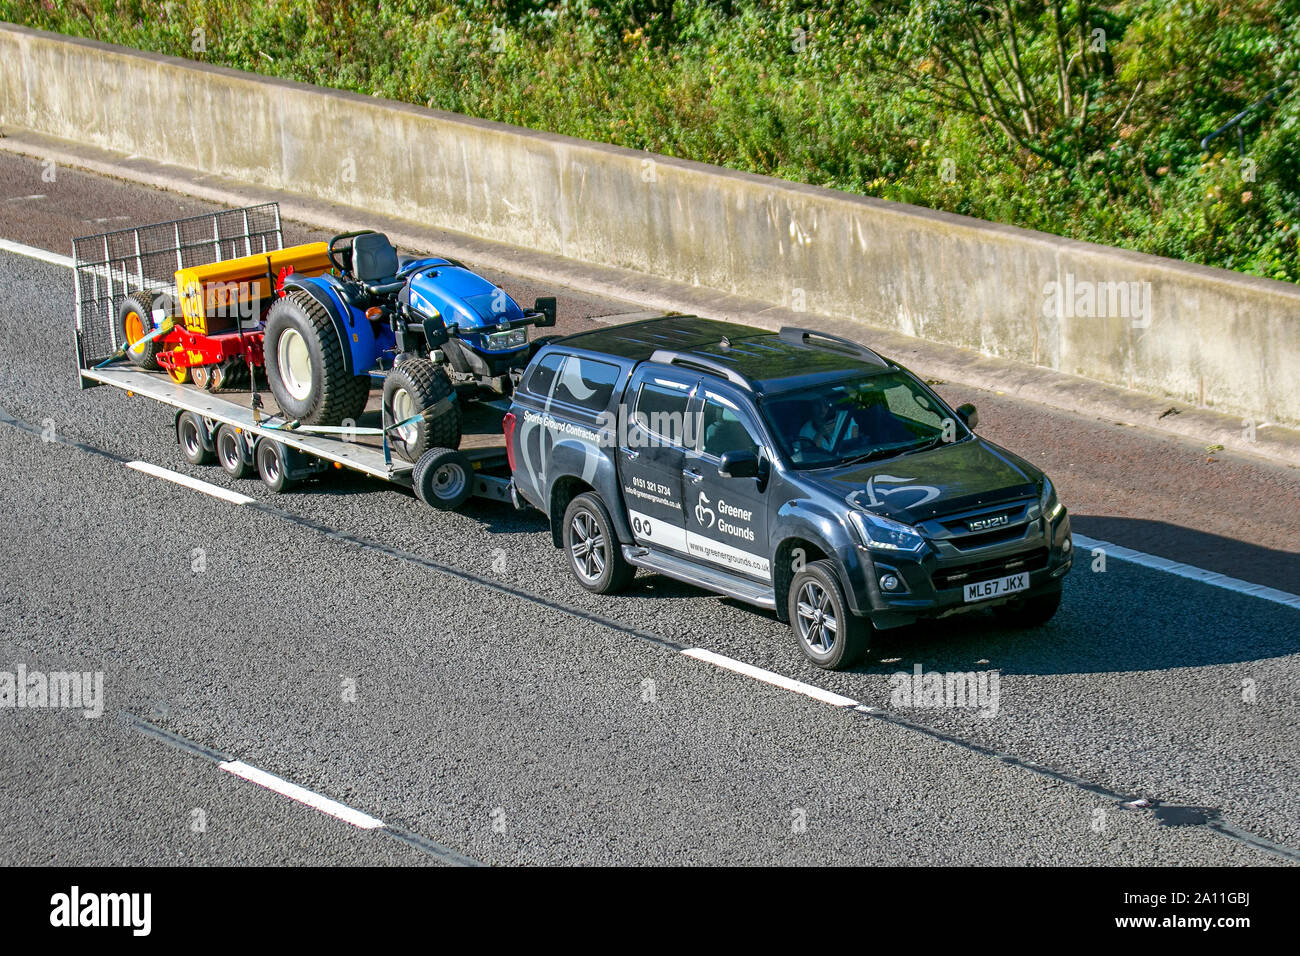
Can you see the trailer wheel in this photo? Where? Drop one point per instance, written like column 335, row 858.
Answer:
column 134, row 322
column 595, row 555
column 192, row 435
column 443, row 478
column 232, row 453
column 305, row 367
column 273, row 465
column 412, row 386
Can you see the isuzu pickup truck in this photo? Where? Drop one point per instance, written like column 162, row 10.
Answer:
column 796, row 471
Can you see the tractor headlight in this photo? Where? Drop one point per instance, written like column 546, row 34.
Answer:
column 1048, row 501
column 885, row 534
column 501, row 341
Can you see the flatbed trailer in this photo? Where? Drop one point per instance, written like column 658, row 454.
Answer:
column 201, row 413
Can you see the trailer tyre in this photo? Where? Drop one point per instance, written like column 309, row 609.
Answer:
column 410, row 388
column 192, row 435
column 134, row 322
column 232, row 453
column 595, row 555
column 443, row 478
column 273, row 465
column 305, row 365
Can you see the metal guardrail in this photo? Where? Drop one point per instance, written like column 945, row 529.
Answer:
column 1237, row 121
column 112, row 265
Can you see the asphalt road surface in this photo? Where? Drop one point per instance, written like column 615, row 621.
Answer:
column 444, row 674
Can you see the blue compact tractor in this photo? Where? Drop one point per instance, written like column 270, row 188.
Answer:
column 429, row 326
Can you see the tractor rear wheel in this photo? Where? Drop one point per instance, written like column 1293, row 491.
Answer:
column 134, row 322
column 414, row 385
column 305, row 364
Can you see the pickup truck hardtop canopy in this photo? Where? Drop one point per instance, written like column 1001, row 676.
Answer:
column 759, row 360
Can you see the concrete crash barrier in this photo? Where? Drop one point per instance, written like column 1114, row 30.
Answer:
column 1204, row 336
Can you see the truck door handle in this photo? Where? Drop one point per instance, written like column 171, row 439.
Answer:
column 692, row 474
column 632, row 455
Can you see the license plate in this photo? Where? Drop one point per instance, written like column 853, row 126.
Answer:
column 984, row 590
column 507, row 340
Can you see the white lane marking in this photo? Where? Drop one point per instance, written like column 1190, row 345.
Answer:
column 310, row 798
column 1212, row 578
column 166, row 474
column 769, row 677
column 25, row 198
column 31, row 252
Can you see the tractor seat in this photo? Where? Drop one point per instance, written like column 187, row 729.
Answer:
column 374, row 263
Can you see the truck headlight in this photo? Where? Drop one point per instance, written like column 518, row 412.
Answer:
column 1048, row 501
column 886, row 534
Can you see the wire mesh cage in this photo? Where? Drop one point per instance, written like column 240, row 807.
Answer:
column 110, row 266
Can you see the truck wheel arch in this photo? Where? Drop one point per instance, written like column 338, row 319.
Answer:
column 796, row 548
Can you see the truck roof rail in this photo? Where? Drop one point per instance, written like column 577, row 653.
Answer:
column 797, row 336
column 691, row 360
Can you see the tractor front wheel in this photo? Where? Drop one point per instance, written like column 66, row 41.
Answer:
column 305, row 364
column 413, row 386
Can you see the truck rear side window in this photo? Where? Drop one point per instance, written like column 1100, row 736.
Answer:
column 542, row 377
column 586, row 383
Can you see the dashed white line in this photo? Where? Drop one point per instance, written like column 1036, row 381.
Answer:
column 166, row 474
column 309, row 798
column 770, row 677
column 31, row 252
column 1169, row 566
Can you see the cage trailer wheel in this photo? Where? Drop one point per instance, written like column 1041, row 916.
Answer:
column 195, row 441
column 232, row 453
column 273, row 465
column 305, row 366
column 595, row 555
column 412, row 386
column 829, row 634
column 443, row 478
column 134, row 322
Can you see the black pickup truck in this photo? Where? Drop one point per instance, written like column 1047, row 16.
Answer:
column 795, row 471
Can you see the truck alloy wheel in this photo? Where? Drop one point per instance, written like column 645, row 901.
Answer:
column 595, row 554
column 829, row 634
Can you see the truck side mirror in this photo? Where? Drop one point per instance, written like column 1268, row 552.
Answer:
column 968, row 414
column 546, row 306
column 738, row 464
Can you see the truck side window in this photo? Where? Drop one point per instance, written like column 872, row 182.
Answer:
column 723, row 431
column 661, row 411
column 586, row 383
column 542, row 376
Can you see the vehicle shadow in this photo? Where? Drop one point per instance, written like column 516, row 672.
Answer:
column 1236, row 559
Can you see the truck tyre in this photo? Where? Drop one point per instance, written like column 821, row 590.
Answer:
column 443, row 478
column 829, row 634
column 273, row 465
column 232, row 453
column 595, row 555
column 1032, row 611
column 134, row 322
column 305, row 367
column 410, row 388
column 192, row 435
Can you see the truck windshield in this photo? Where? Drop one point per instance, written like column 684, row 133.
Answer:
column 858, row 419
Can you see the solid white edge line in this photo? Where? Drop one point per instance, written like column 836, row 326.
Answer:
column 310, row 798
column 1191, row 572
column 225, row 494
column 31, row 252
column 769, row 677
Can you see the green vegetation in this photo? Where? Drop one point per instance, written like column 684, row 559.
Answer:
column 1083, row 120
